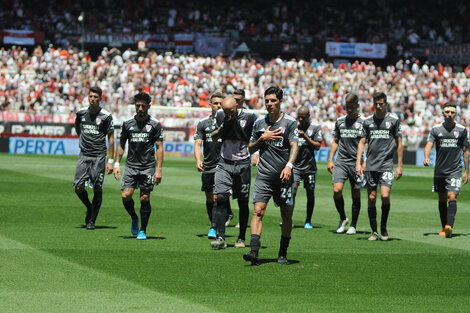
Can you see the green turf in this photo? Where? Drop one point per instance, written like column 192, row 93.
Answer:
column 49, row 263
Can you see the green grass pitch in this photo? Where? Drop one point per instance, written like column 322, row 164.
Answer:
column 49, row 263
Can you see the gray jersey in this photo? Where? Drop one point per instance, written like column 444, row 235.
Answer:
column 236, row 135
column 274, row 154
column 381, row 135
column 347, row 131
column 449, row 144
column 141, row 136
column 305, row 161
column 211, row 148
column 92, row 130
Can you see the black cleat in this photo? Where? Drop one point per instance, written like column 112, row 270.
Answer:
column 282, row 260
column 90, row 225
column 251, row 257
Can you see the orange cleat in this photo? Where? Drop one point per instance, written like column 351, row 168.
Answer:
column 448, row 230
column 443, row 232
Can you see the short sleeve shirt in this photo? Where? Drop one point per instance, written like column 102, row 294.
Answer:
column 92, row 130
column 306, row 157
column 211, row 148
column 347, row 131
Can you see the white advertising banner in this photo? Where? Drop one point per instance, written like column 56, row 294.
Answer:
column 356, row 50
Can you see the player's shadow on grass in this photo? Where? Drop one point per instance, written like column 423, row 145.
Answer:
column 98, row 227
column 264, row 261
column 359, row 232
column 437, row 234
column 148, row 237
column 300, row 226
column 389, row 239
column 205, row 235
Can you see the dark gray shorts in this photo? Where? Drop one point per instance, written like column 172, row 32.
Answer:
column 309, row 179
column 447, row 184
column 233, row 177
column 266, row 187
column 90, row 168
column 374, row 178
column 135, row 178
column 343, row 172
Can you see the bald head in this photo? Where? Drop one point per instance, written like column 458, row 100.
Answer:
column 229, row 105
column 303, row 116
column 303, row 110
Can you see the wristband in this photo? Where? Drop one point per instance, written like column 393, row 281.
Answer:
column 289, row 164
column 110, row 161
column 116, row 164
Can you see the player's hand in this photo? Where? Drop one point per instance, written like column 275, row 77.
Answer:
column 465, row 178
column 271, row 134
column 157, row 177
column 199, row 166
column 117, row 173
column 331, row 166
column 286, row 174
column 359, row 170
column 301, row 133
column 363, row 167
column 109, row 168
column 426, row 162
column 398, row 172
column 255, row 159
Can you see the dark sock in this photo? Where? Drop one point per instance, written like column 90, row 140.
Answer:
column 443, row 213
column 243, row 217
column 209, row 207
column 83, row 196
column 220, row 214
column 372, row 218
column 145, row 210
column 310, row 206
column 339, row 203
column 283, row 246
column 294, row 190
column 229, row 207
column 356, row 208
column 384, row 218
column 255, row 243
column 451, row 211
column 129, row 206
column 96, row 204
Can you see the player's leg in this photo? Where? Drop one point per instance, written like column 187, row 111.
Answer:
column 208, row 187
column 283, row 197
column 297, row 178
column 222, row 185
column 309, row 184
column 451, row 211
column 339, row 177
column 97, row 172
column 241, row 189
column 82, row 176
column 385, row 197
column 128, row 203
column 442, row 211
column 145, row 211
column 256, row 229
column 355, row 209
column 372, row 179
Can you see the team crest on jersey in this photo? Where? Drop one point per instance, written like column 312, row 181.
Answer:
column 242, row 123
column 388, row 124
column 309, row 132
column 98, row 121
column 357, row 125
column 456, row 134
column 83, row 119
column 283, row 129
column 148, row 127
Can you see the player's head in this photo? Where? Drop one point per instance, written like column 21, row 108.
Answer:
column 272, row 99
column 303, row 115
column 352, row 104
column 229, row 105
column 142, row 104
column 94, row 96
column 449, row 110
column 216, row 101
column 380, row 102
column 239, row 95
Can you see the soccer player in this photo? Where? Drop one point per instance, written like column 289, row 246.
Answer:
column 345, row 141
column 450, row 139
column 211, row 157
column 382, row 132
column 92, row 125
column 233, row 172
column 305, row 166
column 276, row 136
column 142, row 132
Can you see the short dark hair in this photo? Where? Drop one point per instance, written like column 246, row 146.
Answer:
column 143, row 96
column 352, row 99
column 96, row 89
column 240, row 92
column 274, row 90
column 379, row 95
column 216, row 95
column 451, row 104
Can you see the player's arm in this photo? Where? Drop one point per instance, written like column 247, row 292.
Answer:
column 287, row 171
column 266, row 136
column 118, row 157
column 360, row 151
column 427, row 152
column 466, row 154
column 398, row 171
column 255, row 158
column 157, row 177
column 77, row 124
column 109, row 166
column 217, row 134
column 197, row 154
column 333, row 149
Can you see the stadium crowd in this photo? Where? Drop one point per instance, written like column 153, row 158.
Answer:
column 56, row 81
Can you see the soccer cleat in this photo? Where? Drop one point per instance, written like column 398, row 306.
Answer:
column 282, row 260
column 212, row 234
column 219, row 243
column 229, row 219
column 251, row 257
column 384, row 237
column 238, row 225
column 308, row 225
column 135, row 226
column 443, row 232
column 448, row 230
column 351, row 230
column 374, row 237
column 342, row 224
column 141, row 235
column 240, row 243
column 90, row 225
